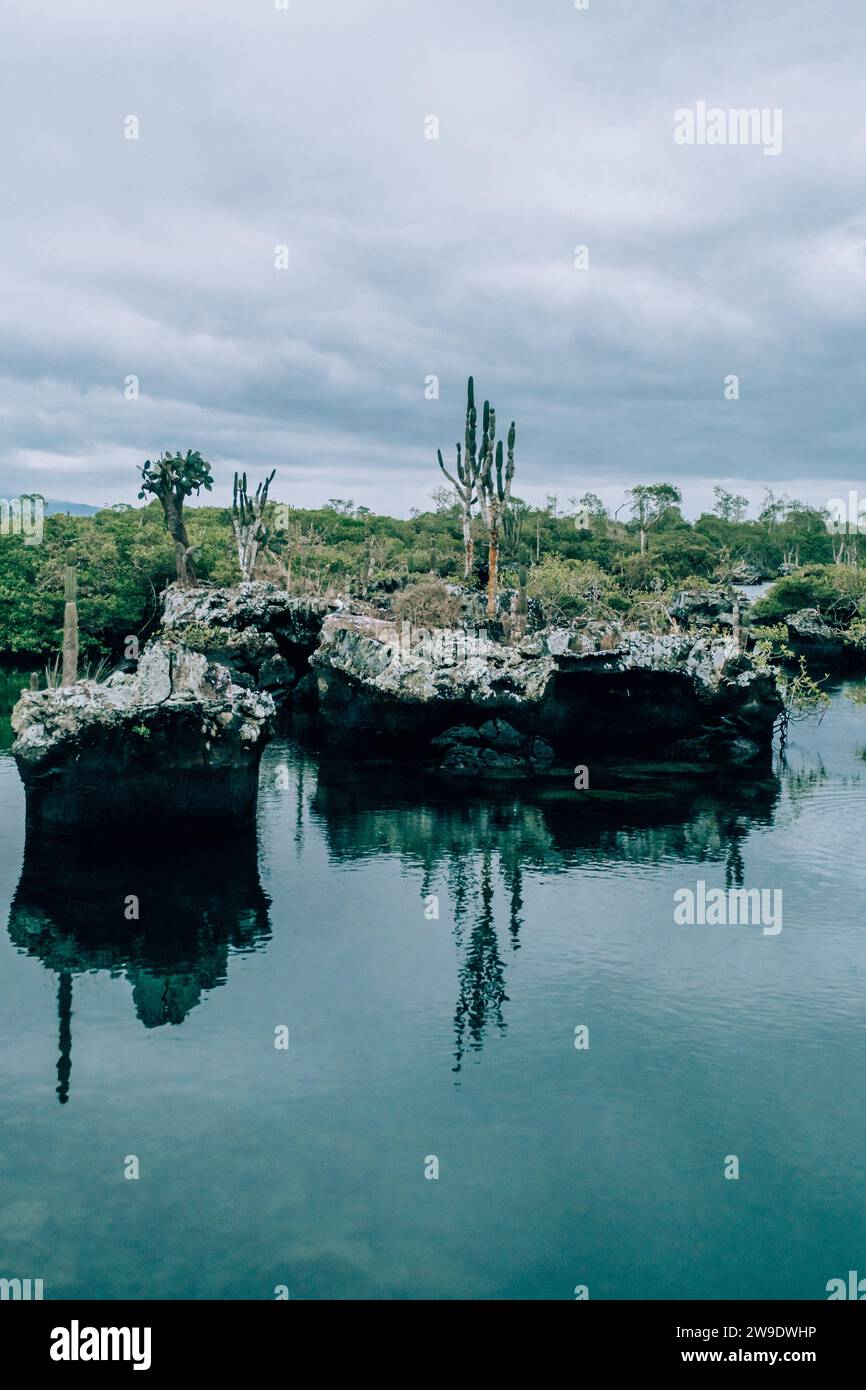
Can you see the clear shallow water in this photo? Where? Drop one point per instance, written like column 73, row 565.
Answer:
column 453, row 1037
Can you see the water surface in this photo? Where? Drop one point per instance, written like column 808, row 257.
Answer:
column 413, row 1036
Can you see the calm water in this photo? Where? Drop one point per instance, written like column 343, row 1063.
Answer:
column 412, row 1036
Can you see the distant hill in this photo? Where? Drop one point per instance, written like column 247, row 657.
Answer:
column 53, row 505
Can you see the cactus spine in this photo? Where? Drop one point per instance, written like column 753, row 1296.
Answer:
column 70, row 626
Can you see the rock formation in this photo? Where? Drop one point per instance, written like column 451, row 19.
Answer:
column 261, row 634
column 577, row 688
column 179, row 738
column 821, row 641
column 177, row 741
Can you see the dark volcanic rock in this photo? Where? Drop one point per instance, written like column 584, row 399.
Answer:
column 812, row 635
column 260, row 633
column 596, row 687
column 716, row 746
column 178, row 742
column 493, row 750
column 275, row 674
column 704, row 608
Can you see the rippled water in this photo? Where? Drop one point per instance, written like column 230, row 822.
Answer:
column 412, row 1036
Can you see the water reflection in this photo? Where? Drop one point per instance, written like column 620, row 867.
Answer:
column 470, row 846
column 197, row 904
column 75, row 905
column 481, row 972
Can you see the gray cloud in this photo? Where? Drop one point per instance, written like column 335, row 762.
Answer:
column 410, row 257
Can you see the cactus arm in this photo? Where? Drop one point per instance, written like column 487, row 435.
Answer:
column 500, row 490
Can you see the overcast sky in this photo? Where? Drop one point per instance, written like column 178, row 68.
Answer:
column 411, row 257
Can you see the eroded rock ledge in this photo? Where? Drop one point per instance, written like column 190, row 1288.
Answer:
column 578, row 689
column 261, row 634
column 837, row 645
column 177, row 741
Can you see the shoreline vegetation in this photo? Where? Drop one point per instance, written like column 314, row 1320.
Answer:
column 572, row 560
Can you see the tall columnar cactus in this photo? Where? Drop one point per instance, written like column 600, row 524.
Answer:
column 494, row 494
column 248, row 523
column 466, row 482
column 70, row 626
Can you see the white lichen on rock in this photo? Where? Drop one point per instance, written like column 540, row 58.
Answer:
column 169, row 677
column 363, row 650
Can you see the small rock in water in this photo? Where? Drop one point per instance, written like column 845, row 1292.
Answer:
column 496, row 749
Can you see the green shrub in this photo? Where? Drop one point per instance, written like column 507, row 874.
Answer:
column 570, row 589
column 835, row 590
